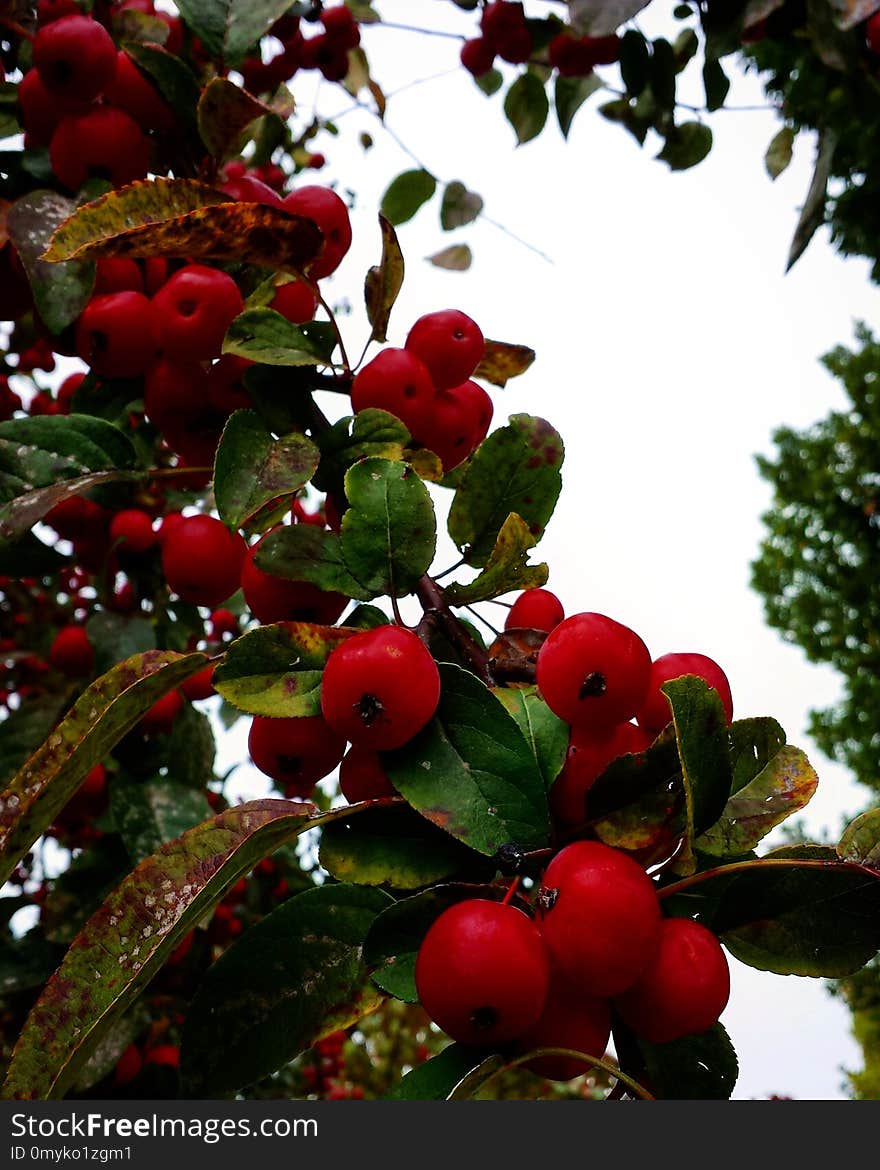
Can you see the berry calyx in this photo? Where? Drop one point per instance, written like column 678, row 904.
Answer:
column 295, row 753
column 482, row 972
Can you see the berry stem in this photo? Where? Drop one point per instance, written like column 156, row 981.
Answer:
column 705, row 875
column 433, row 601
column 511, row 890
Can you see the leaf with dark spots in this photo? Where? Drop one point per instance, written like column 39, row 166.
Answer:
column 224, row 112
column 502, row 361
column 276, row 670
column 61, row 292
column 264, row 335
column 384, row 282
column 253, row 469
column 506, row 569
column 130, row 937
column 297, row 975
column 304, row 552
column 782, row 788
column 20, row 514
column 100, row 717
column 471, row 771
column 26, row 727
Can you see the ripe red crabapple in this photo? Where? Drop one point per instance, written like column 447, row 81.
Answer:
column 535, row 609
column 296, row 753
column 654, row 712
column 450, row 344
column 202, row 560
column 570, row 1020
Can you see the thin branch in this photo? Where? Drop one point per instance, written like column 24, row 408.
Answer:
column 433, row 601
column 761, row 863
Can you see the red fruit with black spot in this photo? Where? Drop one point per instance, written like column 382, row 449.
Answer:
column 380, row 687
column 482, row 973
column 75, row 57
column 295, row 753
column 102, row 143
column 593, row 671
column 589, row 754
column 397, row 381
column 599, row 917
column 116, row 334
column 194, row 308
column 570, row 1020
column 132, row 530
column 683, row 990
column 362, row 777
column 327, row 210
column 450, row 344
column 654, row 712
column 535, row 609
column 202, row 560
column 275, row 599
column 72, row 652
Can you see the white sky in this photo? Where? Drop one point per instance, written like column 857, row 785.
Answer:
column 670, row 345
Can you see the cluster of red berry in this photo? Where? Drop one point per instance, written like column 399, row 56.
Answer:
column 427, row 385
column 326, row 51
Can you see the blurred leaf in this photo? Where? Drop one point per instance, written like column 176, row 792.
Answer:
column 813, row 211
column 229, row 29
column 61, row 291
column 569, row 95
column 459, row 206
column 224, row 112
column 490, row 82
column 406, row 194
column 455, row 258
column 115, row 636
column 600, row 18
column 686, row 145
column 25, row 728
column 861, row 840
column 148, row 815
column 438, row 1078
column 716, row 84
column 526, row 106
column 635, row 62
column 384, row 282
column 779, row 152
column 502, row 361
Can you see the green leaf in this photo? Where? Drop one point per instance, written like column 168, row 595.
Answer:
column 100, row 717
column 383, row 282
column 861, row 840
column 252, row 469
column 391, row 847
column 506, row 569
column 530, row 451
column 569, row 95
column 779, row 152
column 230, row 28
column 545, row 732
column 29, row 557
column 263, row 335
column 490, row 82
column 148, row 815
column 455, row 258
column 276, row 670
column 406, row 194
column 20, row 514
column 663, row 71
column 438, row 1078
column 304, row 552
column 823, row 921
column 502, row 361
column 115, row 636
column 686, row 145
column 369, row 433
column 294, row 977
column 635, row 62
column 753, row 744
column 25, row 728
column 784, row 787
column 459, row 206
column 526, row 106
column 389, row 532
column 471, row 771
column 129, row 25
column 61, row 291
column 224, row 112
column 174, row 80
column 716, row 83
column 129, row 938
column 695, row 1068
column 701, row 734
column 393, row 940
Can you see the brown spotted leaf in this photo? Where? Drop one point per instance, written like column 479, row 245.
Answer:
column 384, row 282
column 502, row 361
column 130, row 937
column 225, row 111
column 100, row 717
column 61, row 292
column 296, row 976
column 506, row 569
column 183, row 218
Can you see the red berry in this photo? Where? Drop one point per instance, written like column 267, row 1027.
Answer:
column 167, row 1054
column 128, row 1066
column 570, row 1020
column 482, row 972
column 202, row 560
column 380, row 687
column 177, row 399
column 49, row 10
column 133, row 92
column 504, row 26
column 592, row 671
column 133, row 530
column 249, row 189
column 223, row 622
column 225, row 384
column 103, row 143
column 654, row 712
column 362, row 777
column 872, row 33
column 75, row 57
column 296, row 301
column 72, row 652
column 397, row 381
column 589, row 754
column 599, row 917
column 115, row 334
column 67, row 389
column 95, row 784
column 159, row 719
column 275, row 599
column 685, row 987
column 535, row 609
column 117, row 274
column 326, row 209
column 193, row 311
column 41, row 111
column 477, row 56
column 341, row 27
column 200, row 685
column 296, row 753
column 449, row 343
column 460, row 419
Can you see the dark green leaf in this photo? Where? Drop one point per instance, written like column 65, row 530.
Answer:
column 662, row 70
column 569, row 95
column 685, row 48
column 25, row 728
column 115, row 636
column 695, row 1068
column 29, row 557
column 262, row 335
column 61, row 291
column 174, row 80
column 459, row 206
column 490, row 82
column 294, row 977
column 304, row 552
column 148, row 815
column 392, row 847
column 406, row 194
column 252, row 469
column 531, row 453
column 369, row 433
column 384, row 282
column 230, row 28
column 635, row 61
column 506, row 569
column 471, row 771
column 686, row 145
column 547, row 734
column 526, row 106
column 716, row 84
column 753, row 744
column 437, row 1078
